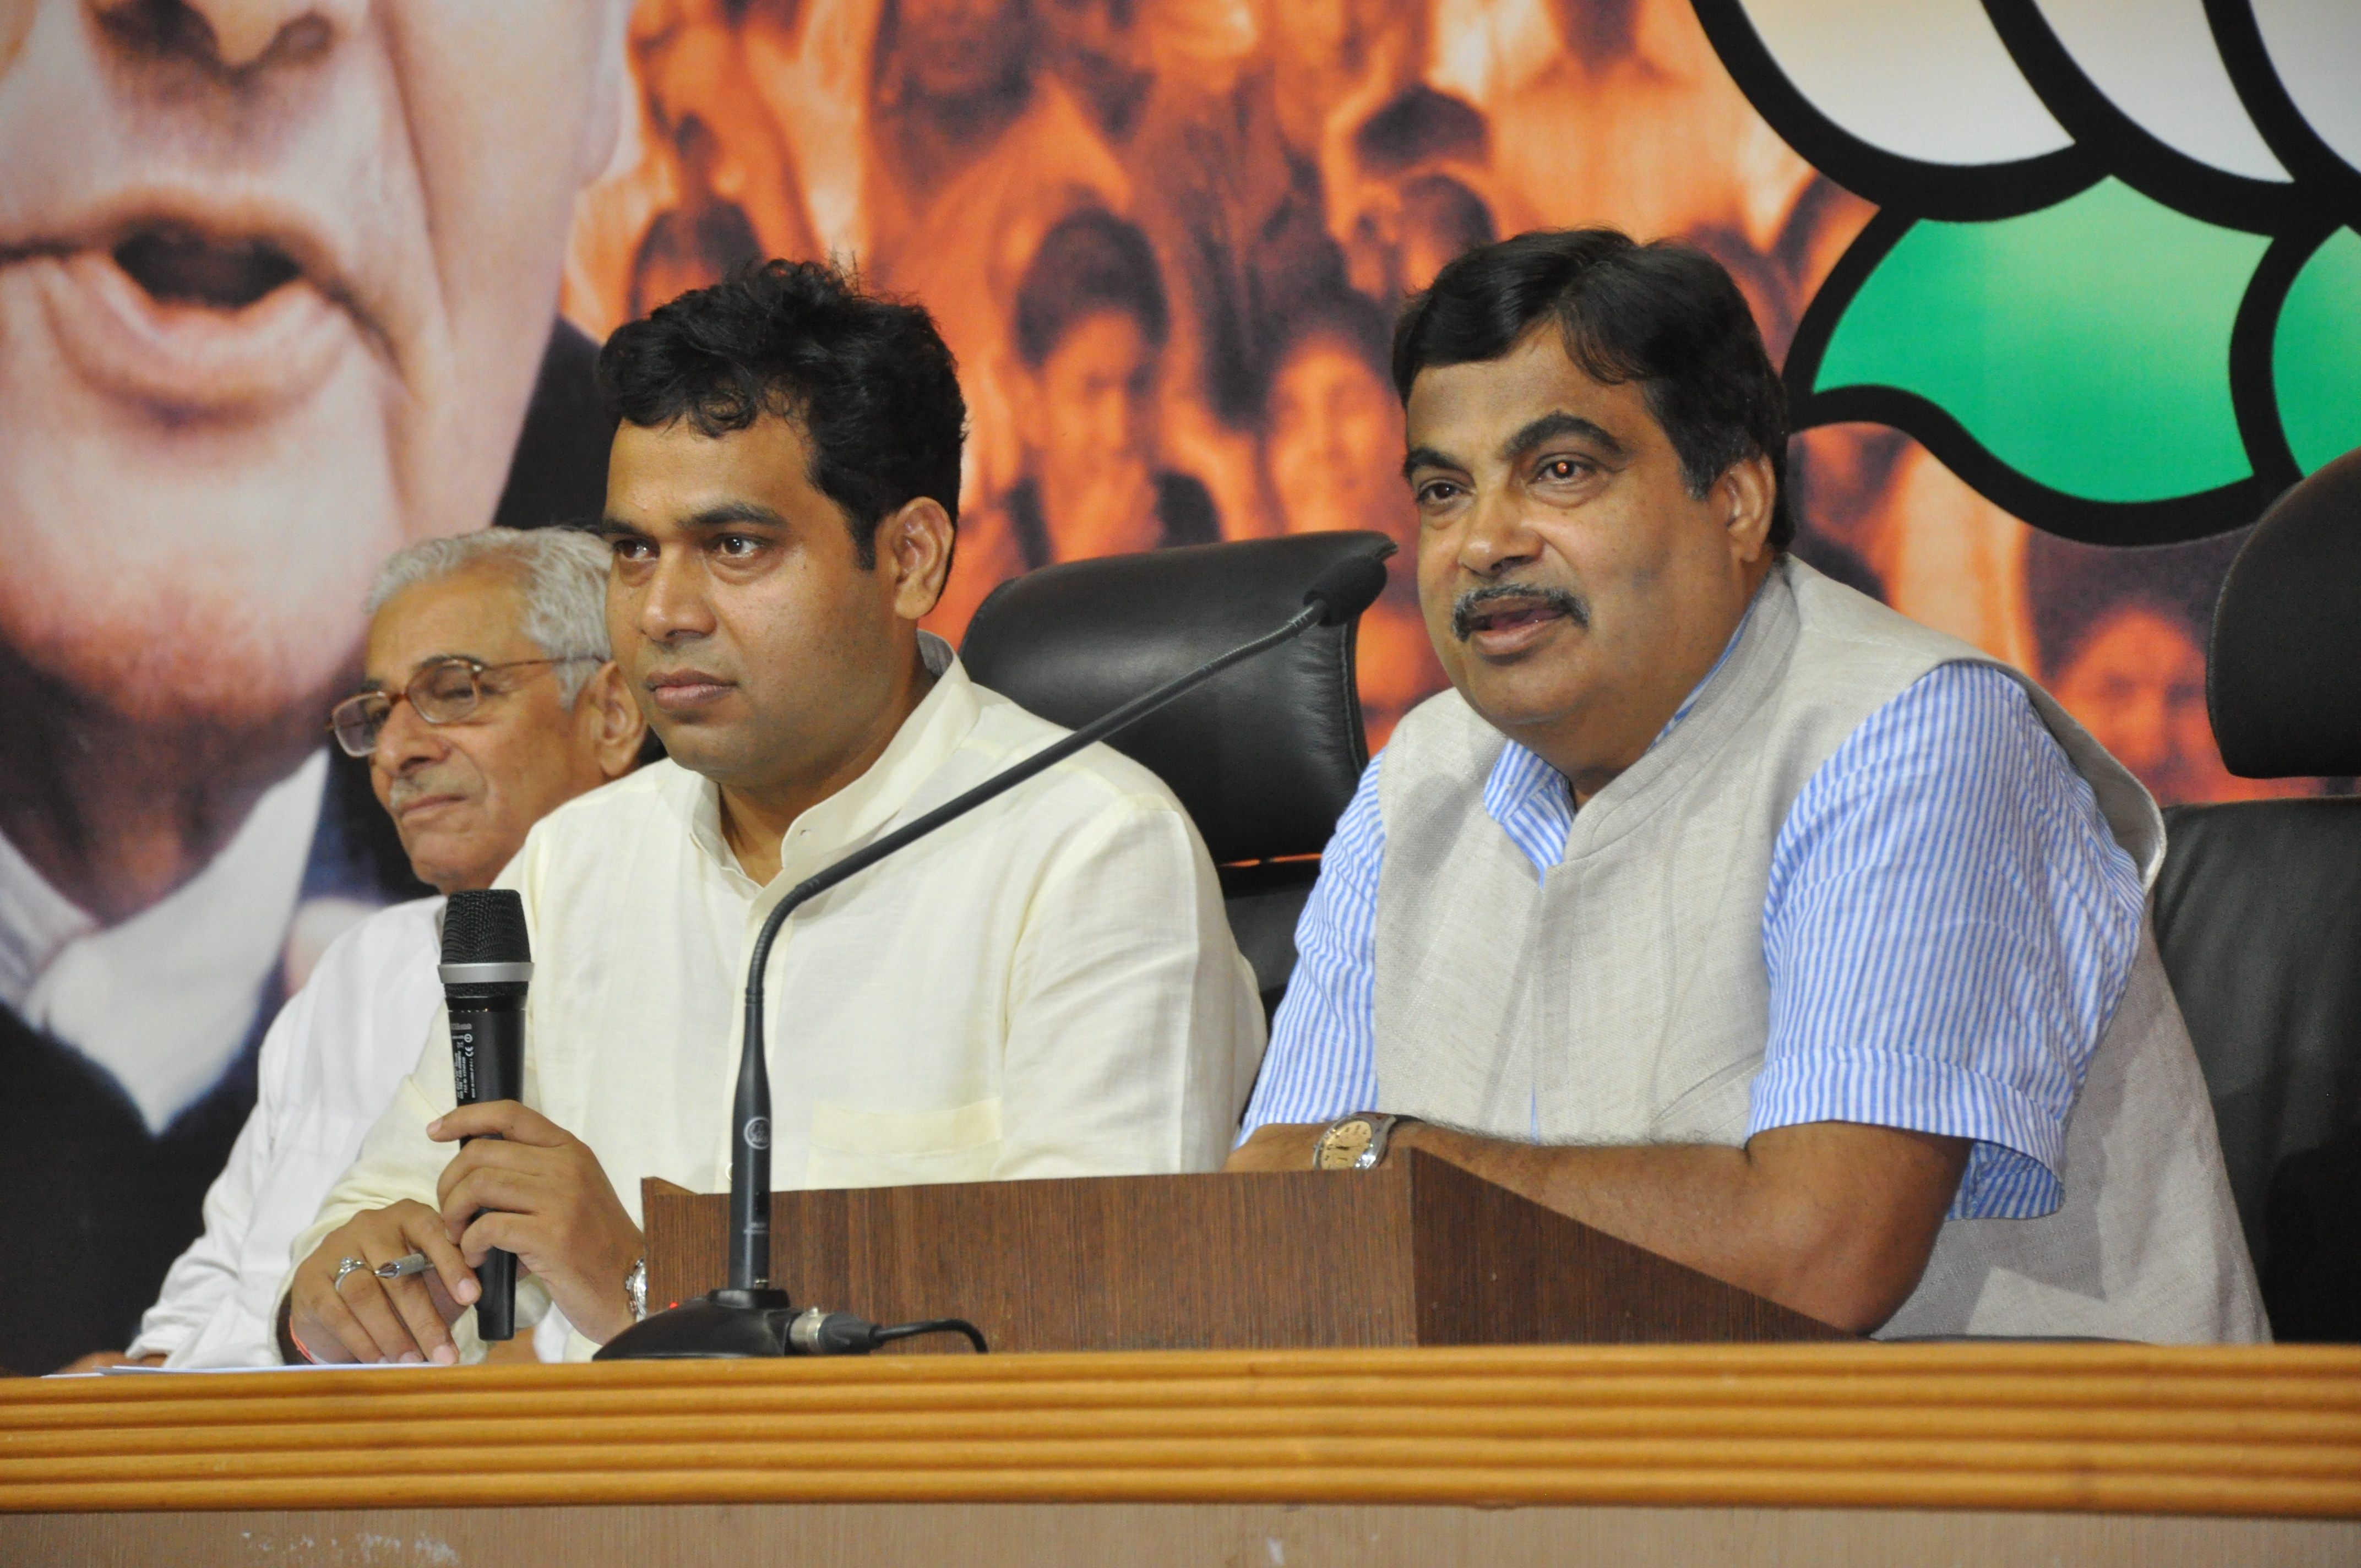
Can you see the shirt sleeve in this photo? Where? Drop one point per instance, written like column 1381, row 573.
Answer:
column 1134, row 1029
column 1323, row 1059
column 203, row 1280
column 398, row 1161
column 1948, row 927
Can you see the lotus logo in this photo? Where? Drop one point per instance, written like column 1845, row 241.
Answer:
column 2116, row 284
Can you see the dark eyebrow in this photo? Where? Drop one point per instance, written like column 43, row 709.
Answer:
column 1552, row 425
column 728, row 514
column 1424, row 458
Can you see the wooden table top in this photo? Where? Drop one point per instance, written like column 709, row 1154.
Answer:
column 2250, row 1431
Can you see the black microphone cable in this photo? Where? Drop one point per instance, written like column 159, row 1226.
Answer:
column 818, row 1332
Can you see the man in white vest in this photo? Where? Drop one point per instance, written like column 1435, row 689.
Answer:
column 1717, row 906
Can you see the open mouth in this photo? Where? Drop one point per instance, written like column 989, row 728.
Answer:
column 1501, row 612
column 179, row 265
column 191, row 320
column 1512, row 615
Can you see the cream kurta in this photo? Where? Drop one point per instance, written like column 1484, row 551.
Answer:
column 1046, row 987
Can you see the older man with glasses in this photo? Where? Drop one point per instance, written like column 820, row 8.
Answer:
column 490, row 702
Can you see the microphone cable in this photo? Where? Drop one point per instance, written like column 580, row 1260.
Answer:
column 816, row 1332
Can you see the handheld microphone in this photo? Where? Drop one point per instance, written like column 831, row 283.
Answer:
column 487, row 966
column 749, row 1317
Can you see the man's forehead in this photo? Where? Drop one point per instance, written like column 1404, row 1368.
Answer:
column 476, row 613
column 675, row 474
column 1470, row 410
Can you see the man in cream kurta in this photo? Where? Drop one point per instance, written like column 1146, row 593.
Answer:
column 1046, row 987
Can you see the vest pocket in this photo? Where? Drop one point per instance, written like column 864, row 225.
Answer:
column 850, row 1146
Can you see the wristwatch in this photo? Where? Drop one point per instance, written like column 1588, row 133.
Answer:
column 1353, row 1143
column 635, row 1288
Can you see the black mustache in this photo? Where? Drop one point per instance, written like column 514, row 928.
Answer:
column 1469, row 604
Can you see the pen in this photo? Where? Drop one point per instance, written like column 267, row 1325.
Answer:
column 402, row 1268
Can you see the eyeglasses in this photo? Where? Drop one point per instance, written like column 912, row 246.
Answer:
column 444, row 692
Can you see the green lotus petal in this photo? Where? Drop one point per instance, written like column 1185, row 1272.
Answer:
column 2086, row 345
column 2316, row 354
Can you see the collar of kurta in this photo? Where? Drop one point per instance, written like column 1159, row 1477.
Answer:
column 165, row 1000
column 855, row 813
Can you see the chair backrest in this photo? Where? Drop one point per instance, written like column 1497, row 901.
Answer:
column 2257, row 917
column 2283, row 676
column 2257, row 910
column 1264, row 756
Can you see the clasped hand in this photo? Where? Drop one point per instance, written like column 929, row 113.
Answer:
column 535, row 1190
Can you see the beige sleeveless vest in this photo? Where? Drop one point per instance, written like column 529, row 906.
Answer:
column 1623, row 998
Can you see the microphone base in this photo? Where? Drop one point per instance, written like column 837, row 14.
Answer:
column 727, row 1325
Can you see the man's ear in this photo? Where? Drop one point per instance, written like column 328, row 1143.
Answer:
column 621, row 727
column 1744, row 498
column 914, row 543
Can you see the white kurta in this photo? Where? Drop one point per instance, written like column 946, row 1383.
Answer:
column 1047, row 987
column 328, row 1067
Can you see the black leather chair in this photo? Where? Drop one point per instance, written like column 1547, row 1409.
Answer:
column 1264, row 756
column 2258, row 909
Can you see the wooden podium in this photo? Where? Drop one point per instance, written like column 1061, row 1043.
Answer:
column 1416, row 1252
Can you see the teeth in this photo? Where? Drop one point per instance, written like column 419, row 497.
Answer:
column 181, row 266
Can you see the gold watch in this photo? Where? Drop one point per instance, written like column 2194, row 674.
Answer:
column 1353, row 1143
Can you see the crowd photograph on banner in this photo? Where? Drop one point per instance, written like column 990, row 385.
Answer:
column 282, row 293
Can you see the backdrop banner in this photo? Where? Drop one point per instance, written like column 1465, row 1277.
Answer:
column 2063, row 294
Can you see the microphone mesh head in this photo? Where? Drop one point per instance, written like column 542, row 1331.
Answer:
column 485, row 926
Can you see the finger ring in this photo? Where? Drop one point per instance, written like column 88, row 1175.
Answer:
column 346, row 1267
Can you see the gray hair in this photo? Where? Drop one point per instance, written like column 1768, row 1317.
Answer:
column 565, row 589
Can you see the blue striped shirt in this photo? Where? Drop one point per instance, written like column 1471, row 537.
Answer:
column 1947, row 929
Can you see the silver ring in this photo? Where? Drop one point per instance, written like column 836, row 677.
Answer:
column 347, row 1267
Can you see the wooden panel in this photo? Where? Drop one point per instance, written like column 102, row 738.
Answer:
column 2256, row 1430
column 1415, row 1252
column 1493, row 1268
column 1078, row 1265
column 1002, row 1535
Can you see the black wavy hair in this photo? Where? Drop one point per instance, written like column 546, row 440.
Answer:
column 867, row 378
column 1664, row 314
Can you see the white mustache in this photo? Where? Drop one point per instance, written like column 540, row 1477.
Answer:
column 417, row 786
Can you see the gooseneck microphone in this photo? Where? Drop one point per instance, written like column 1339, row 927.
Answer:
column 748, row 1318
column 487, row 966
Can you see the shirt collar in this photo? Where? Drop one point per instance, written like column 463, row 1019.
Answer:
column 165, row 1000
column 935, row 728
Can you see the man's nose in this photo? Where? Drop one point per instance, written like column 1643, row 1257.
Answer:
column 238, row 33
column 405, row 742
column 1497, row 538
column 673, row 605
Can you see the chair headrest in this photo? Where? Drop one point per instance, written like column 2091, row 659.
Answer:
column 2283, row 676
column 1265, row 755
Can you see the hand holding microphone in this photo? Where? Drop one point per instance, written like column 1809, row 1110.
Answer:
column 522, row 1187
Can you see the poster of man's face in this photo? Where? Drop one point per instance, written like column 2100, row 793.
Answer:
column 286, row 284
column 277, row 280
